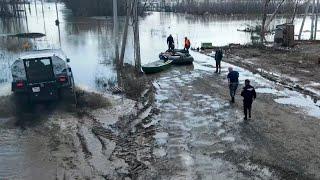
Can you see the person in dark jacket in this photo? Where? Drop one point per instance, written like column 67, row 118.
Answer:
column 233, row 78
column 218, row 57
column 249, row 95
column 170, row 42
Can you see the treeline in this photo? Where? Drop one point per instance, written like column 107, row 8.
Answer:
column 233, row 7
column 11, row 8
column 4, row 9
column 94, row 7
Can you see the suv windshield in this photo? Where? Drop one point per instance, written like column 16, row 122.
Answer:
column 39, row 70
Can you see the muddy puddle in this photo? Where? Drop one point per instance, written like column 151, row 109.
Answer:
column 24, row 152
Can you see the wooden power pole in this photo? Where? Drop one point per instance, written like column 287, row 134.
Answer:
column 116, row 30
column 125, row 32
column 316, row 24
column 136, row 35
column 312, row 20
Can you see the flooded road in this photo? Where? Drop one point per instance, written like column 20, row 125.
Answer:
column 203, row 136
column 199, row 135
column 201, row 130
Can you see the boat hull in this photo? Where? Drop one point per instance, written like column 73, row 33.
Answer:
column 178, row 58
column 156, row 67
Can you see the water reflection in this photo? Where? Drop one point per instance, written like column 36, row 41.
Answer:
column 88, row 41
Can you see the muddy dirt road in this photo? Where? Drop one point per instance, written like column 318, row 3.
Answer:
column 297, row 67
column 183, row 128
column 203, row 136
column 59, row 142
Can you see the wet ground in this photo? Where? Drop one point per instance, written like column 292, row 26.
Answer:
column 185, row 128
column 201, row 133
column 191, row 131
column 203, row 136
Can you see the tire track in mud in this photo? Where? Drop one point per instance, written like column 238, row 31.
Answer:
column 131, row 142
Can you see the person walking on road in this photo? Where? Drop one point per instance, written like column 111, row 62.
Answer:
column 233, row 79
column 170, row 42
column 187, row 44
column 218, row 57
column 249, row 95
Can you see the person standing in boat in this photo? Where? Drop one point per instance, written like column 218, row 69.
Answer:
column 187, row 44
column 233, row 78
column 218, row 57
column 170, row 42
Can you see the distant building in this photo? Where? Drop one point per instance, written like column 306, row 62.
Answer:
column 159, row 3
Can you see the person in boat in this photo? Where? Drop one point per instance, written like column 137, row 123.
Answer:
column 218, row 57
column 187, row 44
column 249, row 95
column 233, row 79
column 170, row 42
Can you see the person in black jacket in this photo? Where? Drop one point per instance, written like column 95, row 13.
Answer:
column 218, row 57
column 249, row 94
column 170, row 42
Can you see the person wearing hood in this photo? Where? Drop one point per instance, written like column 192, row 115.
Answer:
column 249, row 95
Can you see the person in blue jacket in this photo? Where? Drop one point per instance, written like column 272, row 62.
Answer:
column 233, row 79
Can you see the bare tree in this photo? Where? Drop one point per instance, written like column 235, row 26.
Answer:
column 273, row 15
column 265, row 24
column 295, row 10
column 264, row 18
column 304, row 18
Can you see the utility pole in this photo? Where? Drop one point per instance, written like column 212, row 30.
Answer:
column 304, row 18
column 125, row 32
column 312, row 20
column 316, row 26
column 58, row 24
column 136, row 36
column 116, row 30
column 57, row 11
column 44, row 20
